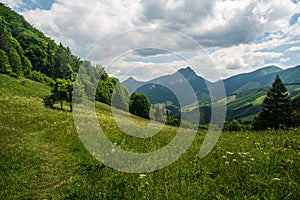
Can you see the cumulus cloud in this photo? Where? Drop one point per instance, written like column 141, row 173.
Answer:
column 176, row 14
column 13, row 3
column 244, row 34
column 208, row 22
column 295, row 48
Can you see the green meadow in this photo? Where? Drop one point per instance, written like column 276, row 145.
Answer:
column 42, row 157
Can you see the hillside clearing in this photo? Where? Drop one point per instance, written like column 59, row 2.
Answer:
column 42, row 157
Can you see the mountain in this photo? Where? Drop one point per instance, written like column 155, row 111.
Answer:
column 245, row 102
column 131, row 84
column 291, row 75
column 182, row 86
column 250, row 80
column 261, row 78
column 245, row 92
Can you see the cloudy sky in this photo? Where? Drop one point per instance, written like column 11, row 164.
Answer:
column 149, row 38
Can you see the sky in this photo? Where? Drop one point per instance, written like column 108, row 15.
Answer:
column 150, row 38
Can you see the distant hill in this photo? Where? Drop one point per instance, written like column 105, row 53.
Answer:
column 252, row 80
column 261, row 78
column 245, row 92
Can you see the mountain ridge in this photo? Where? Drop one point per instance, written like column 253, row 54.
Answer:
column 246, row 90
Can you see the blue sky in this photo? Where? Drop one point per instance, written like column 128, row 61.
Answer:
column 237, row 35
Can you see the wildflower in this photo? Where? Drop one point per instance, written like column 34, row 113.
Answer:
column 142, row 175
column 234, row 160
column 252, row 159
column 276, row 179
column 226, row 162
column 223, row 156
column 230, row 153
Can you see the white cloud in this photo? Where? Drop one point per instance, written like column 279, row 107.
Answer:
column 233, row 27
column 13, row 3
column 284, row 60
column 295, row 48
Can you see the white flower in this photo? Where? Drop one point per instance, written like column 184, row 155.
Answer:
column 234, row 160
column 252, row 159
column 230, row 153
column 276, row 179
column 223, row 156
column 226, row 162
column 142, row 175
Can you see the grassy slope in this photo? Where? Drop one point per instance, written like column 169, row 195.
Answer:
column 42, row 157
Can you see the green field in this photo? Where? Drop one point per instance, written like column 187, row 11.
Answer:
column 42, row 157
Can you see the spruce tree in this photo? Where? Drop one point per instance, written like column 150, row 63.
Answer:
column 277, row 108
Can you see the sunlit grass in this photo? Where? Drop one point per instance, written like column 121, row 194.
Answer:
column 42, row 157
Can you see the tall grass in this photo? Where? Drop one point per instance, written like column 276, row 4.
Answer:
column 42, row 157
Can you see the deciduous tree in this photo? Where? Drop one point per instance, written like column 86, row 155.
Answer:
column 139, row 105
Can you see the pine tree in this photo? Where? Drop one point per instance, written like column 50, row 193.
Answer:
column 277, row 108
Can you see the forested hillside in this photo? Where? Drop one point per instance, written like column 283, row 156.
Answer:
column 27, row 52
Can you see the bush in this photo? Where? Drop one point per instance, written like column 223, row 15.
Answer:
column 172, row 121
column 235, row 125
column 40, row 77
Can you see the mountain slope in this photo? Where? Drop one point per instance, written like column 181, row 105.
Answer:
column 131, row 84
column 29, row 52
column 42, row 157
column 245, row 92
column 184, row 82
column 252, row 80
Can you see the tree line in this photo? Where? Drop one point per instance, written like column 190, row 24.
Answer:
column 25, row 51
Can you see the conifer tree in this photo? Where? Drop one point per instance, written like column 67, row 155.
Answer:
column 277, row 108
